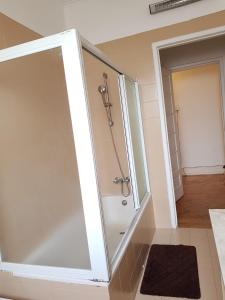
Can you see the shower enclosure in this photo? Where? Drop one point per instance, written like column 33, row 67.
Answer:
column 73, row 168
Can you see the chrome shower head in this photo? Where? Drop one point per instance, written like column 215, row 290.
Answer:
column 102, row 89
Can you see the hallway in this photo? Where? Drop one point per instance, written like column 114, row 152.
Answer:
column 201, row 193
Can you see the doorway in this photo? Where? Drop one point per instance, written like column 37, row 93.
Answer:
column 185, row 136
column 199, row 117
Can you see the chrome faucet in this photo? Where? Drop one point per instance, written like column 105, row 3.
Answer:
column 123, row 181
column 117, row 180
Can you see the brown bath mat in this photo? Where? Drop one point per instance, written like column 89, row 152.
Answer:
column 171, row 271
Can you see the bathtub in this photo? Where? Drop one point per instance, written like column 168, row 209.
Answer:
column 118, row 214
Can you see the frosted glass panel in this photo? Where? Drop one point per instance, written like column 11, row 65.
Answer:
column 136, row 136
column 41, row 213
column 117, row 201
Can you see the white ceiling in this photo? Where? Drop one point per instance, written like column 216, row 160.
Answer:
column 104, row 20
column 38, row 15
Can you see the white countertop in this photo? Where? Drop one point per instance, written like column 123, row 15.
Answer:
column 217, row 217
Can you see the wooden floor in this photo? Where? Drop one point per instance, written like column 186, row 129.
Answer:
column 200, row 194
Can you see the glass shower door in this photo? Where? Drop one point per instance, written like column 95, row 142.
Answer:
column 111, row 157
column 50, row 218
column 133, row 122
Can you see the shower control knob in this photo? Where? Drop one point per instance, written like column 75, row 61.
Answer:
column 124, row 202
column 117, row 180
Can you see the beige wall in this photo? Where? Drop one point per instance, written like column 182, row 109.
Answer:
column 106, row 162
column 134, row 55
column 213, row 48
column 197, row 95
column 12, row 33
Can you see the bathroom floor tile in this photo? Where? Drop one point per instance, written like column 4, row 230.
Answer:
column 162, row 236
column 146, row 297
column 209, row 272
column 181, row 236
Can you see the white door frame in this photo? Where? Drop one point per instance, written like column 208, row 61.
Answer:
column 156, row 47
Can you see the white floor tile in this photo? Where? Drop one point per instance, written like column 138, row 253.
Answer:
column 147, row 297
column 180, row 236
column 199, row 239
column 162, row 236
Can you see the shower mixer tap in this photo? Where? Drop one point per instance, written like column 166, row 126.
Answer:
column 117, row 180
column 123, row 181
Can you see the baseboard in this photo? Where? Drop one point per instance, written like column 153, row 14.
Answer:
column 203, row 170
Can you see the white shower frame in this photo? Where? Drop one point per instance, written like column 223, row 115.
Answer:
column 127, row 125
column 71, row 44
